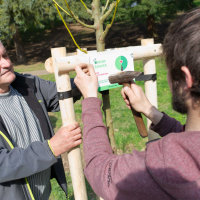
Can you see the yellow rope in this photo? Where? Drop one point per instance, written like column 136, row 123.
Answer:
column 69, row 31
column 61, row 8
column 84, row 4
column 114, row 12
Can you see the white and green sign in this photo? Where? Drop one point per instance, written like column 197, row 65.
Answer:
column 110, row 62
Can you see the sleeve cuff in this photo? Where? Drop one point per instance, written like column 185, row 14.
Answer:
column 50, row 147
column 163, row 126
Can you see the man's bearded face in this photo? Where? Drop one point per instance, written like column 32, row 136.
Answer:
column 178, row 100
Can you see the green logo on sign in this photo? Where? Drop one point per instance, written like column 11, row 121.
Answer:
column 121, row 63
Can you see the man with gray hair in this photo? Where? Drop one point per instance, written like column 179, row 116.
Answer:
column 29, row 150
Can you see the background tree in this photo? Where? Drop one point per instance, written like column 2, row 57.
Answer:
column 148, row 10
column 152, row 10
column 173, row 6
column 17, row 15
column 20, row 15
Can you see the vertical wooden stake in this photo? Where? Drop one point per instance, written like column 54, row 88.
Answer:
column 108, row 118
column 150, row 86
column 68, row 116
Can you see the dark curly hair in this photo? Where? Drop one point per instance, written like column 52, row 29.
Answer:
column 181, row 47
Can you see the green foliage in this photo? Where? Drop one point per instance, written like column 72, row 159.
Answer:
column 144, row 8
column 132, row 9
column 197, row 3
column 18, row 13
column 159, row 7
column 29, row 13
column 172, row 6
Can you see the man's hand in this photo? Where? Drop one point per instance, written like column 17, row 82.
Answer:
column 87, row 83
column 136, row 99
column 66, row 138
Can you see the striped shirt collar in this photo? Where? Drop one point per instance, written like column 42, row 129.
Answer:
column 5, row 95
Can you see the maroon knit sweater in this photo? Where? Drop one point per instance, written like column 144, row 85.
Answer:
column 168, row 169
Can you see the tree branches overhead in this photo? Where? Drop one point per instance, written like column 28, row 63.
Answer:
column 77, row 19
column 111, row 8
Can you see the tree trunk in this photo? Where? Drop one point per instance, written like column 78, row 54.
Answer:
column 8, row 44
column 105, row 94
column 21, row 56
column 44, row 19
column 151, row 26
column 53, row 22
column 108, row 118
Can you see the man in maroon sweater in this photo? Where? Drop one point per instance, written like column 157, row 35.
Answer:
column 170, row 167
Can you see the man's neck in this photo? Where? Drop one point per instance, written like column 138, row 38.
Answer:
column 4, row 90
column 193, row 121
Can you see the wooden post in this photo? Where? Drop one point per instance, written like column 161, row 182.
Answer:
column 150, row 86
column 68, row 116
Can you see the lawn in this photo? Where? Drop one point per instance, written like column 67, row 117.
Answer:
column 34, row 67
column 126, row 134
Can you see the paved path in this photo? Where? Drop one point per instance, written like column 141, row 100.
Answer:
column 37, row 73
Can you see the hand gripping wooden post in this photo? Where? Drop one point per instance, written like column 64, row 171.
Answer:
column 68, row 116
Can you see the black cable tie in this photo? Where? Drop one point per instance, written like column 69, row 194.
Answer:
column 146, row 77
column 68, row 94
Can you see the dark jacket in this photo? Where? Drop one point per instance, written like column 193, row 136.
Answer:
column 18, row 163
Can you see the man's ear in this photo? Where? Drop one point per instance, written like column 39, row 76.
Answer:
column 188, row 77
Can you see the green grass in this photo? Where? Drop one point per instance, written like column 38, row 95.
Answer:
column 26, row 68
column 58, row 194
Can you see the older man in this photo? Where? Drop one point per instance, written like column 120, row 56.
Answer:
column 29, row 150
column 170, row 167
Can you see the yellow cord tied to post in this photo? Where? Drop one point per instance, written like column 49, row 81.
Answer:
column 68, row 28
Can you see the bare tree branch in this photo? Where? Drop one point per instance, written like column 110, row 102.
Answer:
column 82, row 23
column 104, row 34
column 112, row 6
column 89, row 11
column 104, row 8
column 78, row 20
